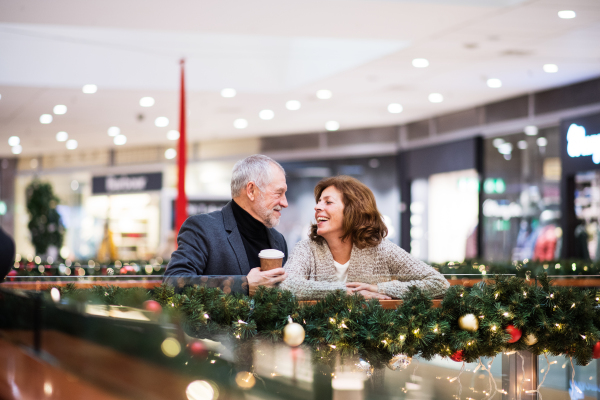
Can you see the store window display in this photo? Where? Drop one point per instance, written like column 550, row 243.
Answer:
column 587, row 210
column 521, row 193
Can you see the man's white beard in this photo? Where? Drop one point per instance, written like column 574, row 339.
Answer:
column 267, row 214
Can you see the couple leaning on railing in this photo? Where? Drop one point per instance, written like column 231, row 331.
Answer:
column 346, row 248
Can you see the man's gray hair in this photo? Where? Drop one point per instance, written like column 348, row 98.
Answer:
column 255, row 168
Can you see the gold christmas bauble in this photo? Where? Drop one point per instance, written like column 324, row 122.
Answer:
column 468, row 322
column 293, row 334
column 531, row 339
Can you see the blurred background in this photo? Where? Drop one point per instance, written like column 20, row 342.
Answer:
column 455, row 113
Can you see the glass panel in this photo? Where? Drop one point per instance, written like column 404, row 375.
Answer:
column 587, row 209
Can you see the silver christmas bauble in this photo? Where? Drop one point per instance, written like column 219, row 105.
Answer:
column 293, row 334
column 399, row 361
column 468, row 322
column 531, row 339
column 365, row 367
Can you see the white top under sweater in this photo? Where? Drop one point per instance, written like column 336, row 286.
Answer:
column 341, row 271
column 312, row 273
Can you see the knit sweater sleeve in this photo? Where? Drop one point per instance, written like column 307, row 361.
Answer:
column 411, row 272
column 298, row 268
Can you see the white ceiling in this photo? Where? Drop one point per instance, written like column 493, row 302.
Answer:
column 271, row 52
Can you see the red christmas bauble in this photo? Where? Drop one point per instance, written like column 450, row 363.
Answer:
column 515, row 333
column 457, row 356
column 152, row 305
column 12, row 272
column 198, row 349
column 596, row 353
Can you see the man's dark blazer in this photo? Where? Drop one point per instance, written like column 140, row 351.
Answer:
column 7, row 254
column 210, row 245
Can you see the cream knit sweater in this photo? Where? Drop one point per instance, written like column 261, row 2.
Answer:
column 311, row 272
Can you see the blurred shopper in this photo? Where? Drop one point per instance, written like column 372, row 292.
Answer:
column 220, row 249
column 7, row 253
column 347, row 250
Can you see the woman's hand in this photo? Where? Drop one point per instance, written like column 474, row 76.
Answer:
column 358, row 286
column 366, row 290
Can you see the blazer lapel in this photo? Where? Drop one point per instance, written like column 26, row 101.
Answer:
column 235, row 239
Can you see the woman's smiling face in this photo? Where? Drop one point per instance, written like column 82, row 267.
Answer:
column 329, row 213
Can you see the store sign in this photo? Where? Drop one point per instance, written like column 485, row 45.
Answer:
column 129, row 183
column 579, row 144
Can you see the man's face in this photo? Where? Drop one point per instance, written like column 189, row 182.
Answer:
column 269, row 202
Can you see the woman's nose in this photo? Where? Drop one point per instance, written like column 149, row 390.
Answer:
column 318, row 207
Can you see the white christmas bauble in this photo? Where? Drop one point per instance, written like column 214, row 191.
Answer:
column 468, row 322
column 293, row 334
column 401, row 361
column 365, row 367
column 531, row 339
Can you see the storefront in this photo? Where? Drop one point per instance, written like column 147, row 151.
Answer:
column 580, row 186
column 521, row 196
column 440, row 201
column 123, row 214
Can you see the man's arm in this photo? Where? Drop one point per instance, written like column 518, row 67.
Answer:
column 189, row 261
column 7, row 253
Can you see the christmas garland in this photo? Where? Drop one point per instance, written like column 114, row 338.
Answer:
column 508, row 314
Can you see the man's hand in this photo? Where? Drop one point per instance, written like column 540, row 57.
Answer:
column 270, row 278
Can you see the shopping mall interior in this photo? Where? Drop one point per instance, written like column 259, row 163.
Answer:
column 475, row 124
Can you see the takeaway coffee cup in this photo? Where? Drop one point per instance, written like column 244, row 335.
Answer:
column 270, row 259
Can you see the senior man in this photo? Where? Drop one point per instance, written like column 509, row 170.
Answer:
column 220, row 249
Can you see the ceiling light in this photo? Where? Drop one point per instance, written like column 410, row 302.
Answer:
column 420, row 63
column 566, row 14
column 541, row 141
column 498, row 142
column 436, row 98
column 266, row 114
column 550, row 68
column 120, row 140
column 173, row 135
column 14, row 141
column 146, row 101
column 531, row 130
column 71, row 144
column 62, row 136
column 45, row 118
column 332, row 125
column 228, row 92
column 170, row 154
column 60, row 109
column 395, row 108
column 161, row 122
column 89, row 89
column 114, row 131
column 505, row 148
column 494, row 83
column 240, row 123
column 324, row 94
column 17, row 149
column 522, row 144
column 292, row 105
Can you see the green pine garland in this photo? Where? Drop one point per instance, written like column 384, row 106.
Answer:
column 565, row 320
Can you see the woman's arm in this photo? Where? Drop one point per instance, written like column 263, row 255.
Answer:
column 298, row 270
column 411, row 272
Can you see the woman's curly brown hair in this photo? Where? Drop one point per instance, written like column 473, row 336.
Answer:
column 363, row 223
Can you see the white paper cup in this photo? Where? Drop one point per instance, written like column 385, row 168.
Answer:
column 270, row 259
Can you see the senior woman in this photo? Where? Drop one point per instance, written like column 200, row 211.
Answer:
column 347, row 250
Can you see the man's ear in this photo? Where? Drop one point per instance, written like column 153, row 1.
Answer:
column 250, row 188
